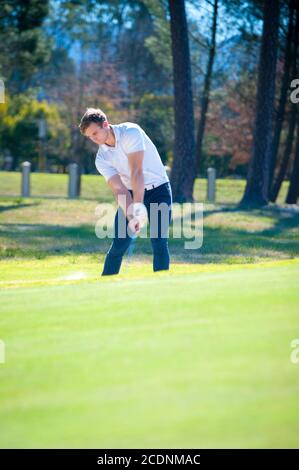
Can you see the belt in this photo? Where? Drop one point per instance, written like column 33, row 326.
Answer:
column 148, row 187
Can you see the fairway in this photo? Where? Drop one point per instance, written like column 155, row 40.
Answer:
column 197, row 357
column 134, row 361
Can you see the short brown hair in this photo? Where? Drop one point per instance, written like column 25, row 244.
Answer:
column 91, row 115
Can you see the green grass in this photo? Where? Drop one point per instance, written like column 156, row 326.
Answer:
column 42, row 227
column 94, row 187
column 196, row 357
column 53, row 186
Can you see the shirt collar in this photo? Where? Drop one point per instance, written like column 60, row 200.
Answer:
column 105, row 147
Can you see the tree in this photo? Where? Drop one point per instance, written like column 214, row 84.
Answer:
column 256, row 191
column 229, row 124
column 100, row 71
column 23, row 45
column 142, row 70
column 293, row 191
column 156, row 117
column 19, row 117
column 283, row 94
column 206, row 89
column 183, row 167
column 286, row 154
column 291, row 121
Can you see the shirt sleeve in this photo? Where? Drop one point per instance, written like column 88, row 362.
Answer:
column 105, row 168
column 132, row 140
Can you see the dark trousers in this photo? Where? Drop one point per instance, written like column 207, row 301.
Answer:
column 159, row 221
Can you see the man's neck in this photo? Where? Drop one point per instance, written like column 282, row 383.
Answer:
column 111, row 141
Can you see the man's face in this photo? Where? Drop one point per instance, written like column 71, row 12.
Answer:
column 96, row 133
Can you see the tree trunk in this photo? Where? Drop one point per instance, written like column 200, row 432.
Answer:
column 293, row 192
column 286, row 156
column 292, row 120
column 283, row 94
column 206, row 90
column 183, row 166
column 256, row 191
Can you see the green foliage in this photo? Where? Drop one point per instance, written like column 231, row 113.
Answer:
column 19, row 117
column 220, row 163
column 159, row 43
column 24, row 48
column 155, row 115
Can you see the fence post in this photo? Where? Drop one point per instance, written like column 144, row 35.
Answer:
column 211, row 191
column 26, row 168
column 73, row 180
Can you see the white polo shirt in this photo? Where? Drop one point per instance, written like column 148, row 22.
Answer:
column 114, row 160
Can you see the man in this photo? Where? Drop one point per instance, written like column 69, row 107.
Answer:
column 132, row 167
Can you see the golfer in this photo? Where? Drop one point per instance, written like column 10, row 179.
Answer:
column 132, row 167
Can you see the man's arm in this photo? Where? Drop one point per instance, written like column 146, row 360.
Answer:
column 135, row 160
column 121, row 193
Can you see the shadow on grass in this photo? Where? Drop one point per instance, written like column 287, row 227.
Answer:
column 221, row 244
column 40, row 240
column 284, row 220
column 17, row 205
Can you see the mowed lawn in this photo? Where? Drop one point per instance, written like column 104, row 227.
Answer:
column 197, row 357
column 94, row 187
column 191, row 359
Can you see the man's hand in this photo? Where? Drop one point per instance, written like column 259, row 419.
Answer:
column 133, row 210
column 134, row 225
column 138, row 209
column 137, row 216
